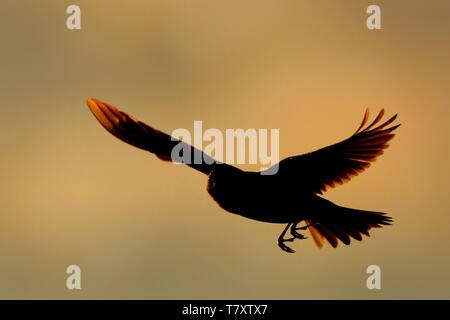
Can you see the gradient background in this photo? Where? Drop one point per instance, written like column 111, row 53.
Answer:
column 140, row 228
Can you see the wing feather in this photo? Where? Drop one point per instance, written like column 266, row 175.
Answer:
column 336, row 164
column 140, row 135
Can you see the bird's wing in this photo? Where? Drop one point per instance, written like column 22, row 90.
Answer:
column 140, row 135
column 322, row 169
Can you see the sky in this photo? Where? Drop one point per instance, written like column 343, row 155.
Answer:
column 140, row 228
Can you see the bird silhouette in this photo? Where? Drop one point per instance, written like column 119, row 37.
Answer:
column 292, row 195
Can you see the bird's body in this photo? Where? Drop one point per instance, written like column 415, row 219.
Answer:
column 257, row 197
column 289, row 196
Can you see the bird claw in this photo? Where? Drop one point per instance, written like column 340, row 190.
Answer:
column 300, row 236
column 295, row 235
column 285, row 247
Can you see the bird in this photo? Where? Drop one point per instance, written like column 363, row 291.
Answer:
column 294, row 194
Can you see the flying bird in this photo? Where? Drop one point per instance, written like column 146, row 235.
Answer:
column 293, row 194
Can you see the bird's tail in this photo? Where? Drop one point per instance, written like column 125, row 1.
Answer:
column 342, row 224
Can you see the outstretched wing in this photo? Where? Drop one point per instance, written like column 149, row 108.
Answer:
column 140, row 135
column 322, row 169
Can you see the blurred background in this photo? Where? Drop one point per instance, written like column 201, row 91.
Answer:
column 140, row 228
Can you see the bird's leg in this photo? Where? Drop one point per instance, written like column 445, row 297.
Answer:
column 294, row 229
column 282, row 240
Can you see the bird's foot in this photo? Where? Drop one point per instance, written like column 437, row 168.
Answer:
column 292, row 227
column 297, row 235
column 281, row 244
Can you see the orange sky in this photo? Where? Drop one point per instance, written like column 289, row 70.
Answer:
column 142, row 228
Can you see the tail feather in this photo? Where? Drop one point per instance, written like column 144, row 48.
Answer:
column 344, row 224
column 316, row 234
